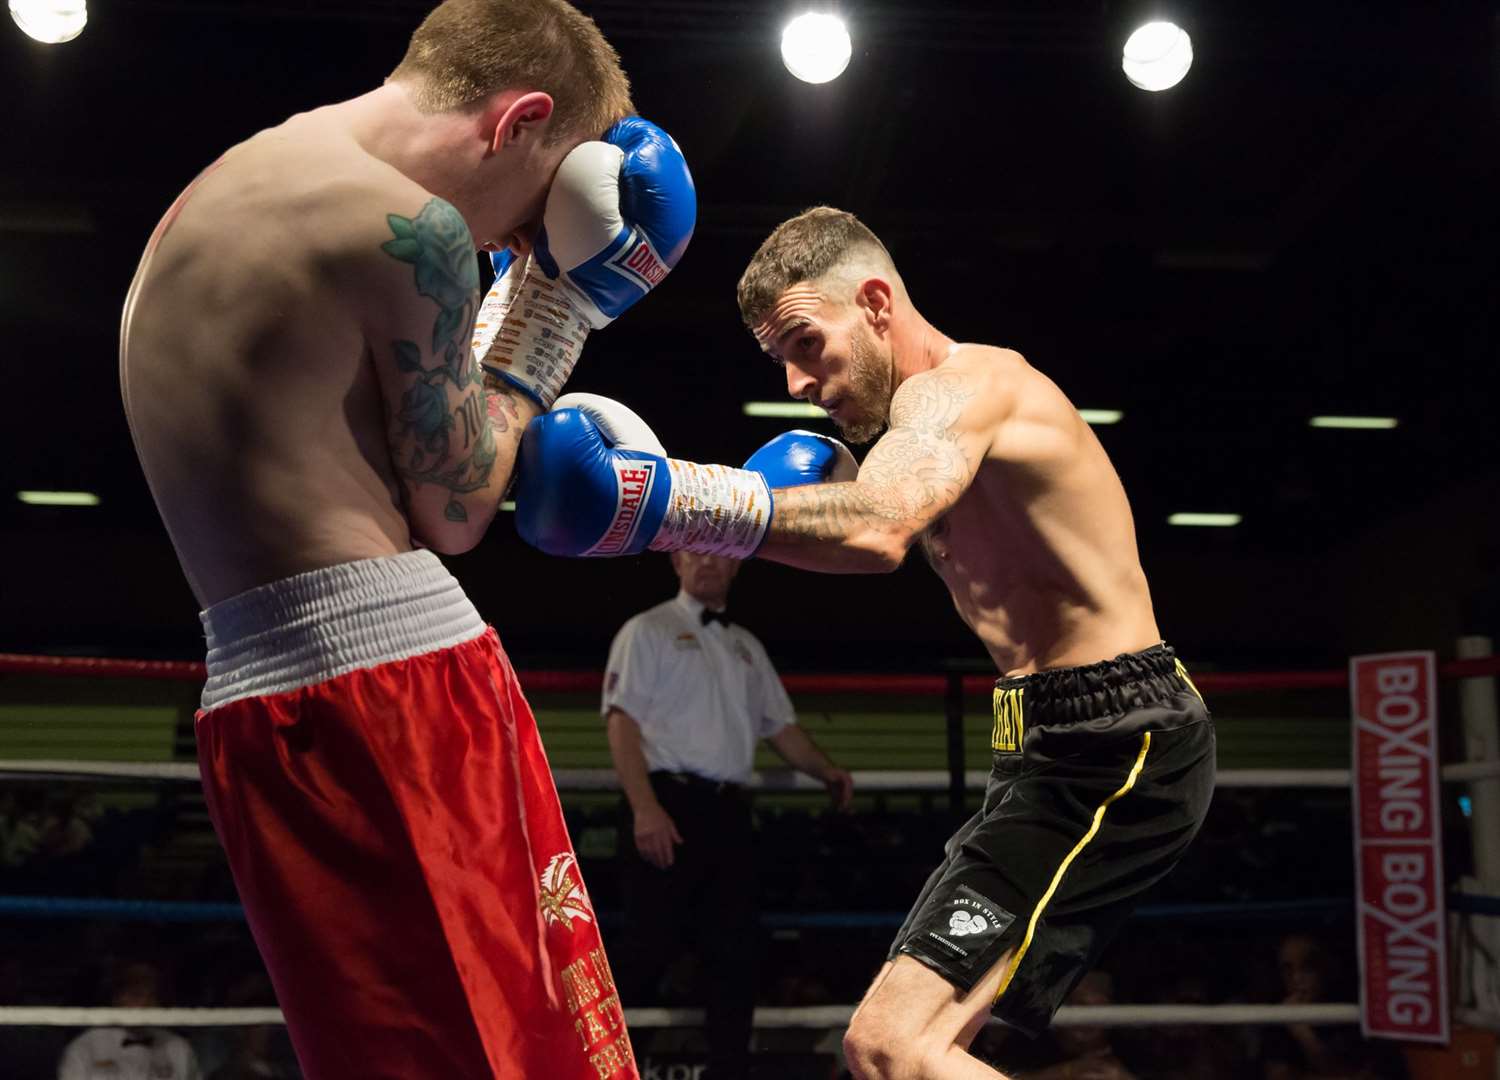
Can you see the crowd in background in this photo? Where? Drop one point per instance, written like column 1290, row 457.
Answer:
column 817, row 865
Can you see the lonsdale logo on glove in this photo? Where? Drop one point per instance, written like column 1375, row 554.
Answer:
column 633, row 481
column 640, row 263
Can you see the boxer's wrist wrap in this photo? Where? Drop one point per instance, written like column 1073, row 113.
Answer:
column 714, row 510
column 529, row 332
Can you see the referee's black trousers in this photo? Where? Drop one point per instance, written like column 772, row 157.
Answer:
column 704, row 901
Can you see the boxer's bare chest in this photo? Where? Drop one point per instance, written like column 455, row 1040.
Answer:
column 985, row 554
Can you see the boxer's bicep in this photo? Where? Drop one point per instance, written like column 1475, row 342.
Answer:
column 441, row 423
column 910, row 478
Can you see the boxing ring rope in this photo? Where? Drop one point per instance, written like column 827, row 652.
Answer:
column 951, row 687
column 802, row 1016
column 865, row 780
column 591, row 682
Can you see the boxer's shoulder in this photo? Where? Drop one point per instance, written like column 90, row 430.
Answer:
column 975, row 382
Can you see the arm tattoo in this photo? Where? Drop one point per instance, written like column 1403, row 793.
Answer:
column 914, row 473
column 442, row 434
column 500, row 401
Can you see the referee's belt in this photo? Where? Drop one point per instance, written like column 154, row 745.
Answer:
column 700, row 783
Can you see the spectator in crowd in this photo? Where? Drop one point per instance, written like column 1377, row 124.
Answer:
column 687, row 696
column 22, row 824
column 1319, row 1052
column 1064, row 1051
column 1189, row 1051
column 1088, row 1053
column 259, row 1051
column 130, row 1053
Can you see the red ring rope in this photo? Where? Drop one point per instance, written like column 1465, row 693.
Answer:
column 588, row 682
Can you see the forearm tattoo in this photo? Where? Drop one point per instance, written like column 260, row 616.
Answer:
column 914, row 473
column 443, row 433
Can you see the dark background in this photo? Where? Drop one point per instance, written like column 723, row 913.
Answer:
column 1307, row 224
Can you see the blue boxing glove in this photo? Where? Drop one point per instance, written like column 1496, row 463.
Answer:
column 619, row 215
column 627, row 221
column 593, row 480
column 795, row 458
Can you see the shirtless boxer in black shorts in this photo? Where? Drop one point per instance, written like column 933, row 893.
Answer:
column 1103, row 749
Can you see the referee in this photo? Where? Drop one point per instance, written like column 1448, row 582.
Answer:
column 687, row 695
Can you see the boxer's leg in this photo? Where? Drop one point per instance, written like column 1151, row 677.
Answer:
column 915, row 1025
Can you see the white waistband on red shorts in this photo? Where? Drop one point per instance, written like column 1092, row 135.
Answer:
column 310, row 627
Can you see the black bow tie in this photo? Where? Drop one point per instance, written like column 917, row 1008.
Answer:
column 706, row 617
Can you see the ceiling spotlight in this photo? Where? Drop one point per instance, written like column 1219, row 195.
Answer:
column 1157, row 56
column 50, row 21
column 815, row 48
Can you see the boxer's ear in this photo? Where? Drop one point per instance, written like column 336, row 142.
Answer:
column 875, row 298
column 514, row 116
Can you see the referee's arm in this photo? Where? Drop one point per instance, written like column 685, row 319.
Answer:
column 655, row 831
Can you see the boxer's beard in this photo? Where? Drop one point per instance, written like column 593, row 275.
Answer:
column 868, row 402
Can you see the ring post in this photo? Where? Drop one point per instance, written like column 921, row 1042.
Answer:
column 1480, row 934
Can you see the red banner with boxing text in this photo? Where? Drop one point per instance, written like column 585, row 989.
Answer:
column 1398, row 851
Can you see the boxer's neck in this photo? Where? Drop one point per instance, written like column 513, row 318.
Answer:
column 917, row 345
column 440, row 151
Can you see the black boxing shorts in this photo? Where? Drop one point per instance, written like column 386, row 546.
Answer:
column 1102, row 775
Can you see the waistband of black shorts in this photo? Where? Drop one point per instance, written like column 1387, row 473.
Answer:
column 1074, row 694
column 698, row 783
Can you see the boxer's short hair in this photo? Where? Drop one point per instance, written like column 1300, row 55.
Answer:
column 467, row 50
column 808, row 248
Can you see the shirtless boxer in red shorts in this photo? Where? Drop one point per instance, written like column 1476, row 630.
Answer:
column 297, row 370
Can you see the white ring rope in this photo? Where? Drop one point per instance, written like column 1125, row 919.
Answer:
column 818, row 1016
column 769, row 780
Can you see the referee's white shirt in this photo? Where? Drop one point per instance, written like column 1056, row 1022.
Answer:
column 702, row 695
column 153, row 1054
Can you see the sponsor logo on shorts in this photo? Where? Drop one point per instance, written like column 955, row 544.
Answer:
column 638, row 261
column 1010, row 723
column 964, row 923
column 966, row 926
column 561, row 897
column 633, row 483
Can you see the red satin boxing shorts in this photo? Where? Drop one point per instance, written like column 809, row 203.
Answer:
column 404, row 865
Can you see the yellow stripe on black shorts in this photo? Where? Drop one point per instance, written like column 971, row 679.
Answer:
column 1036, row 914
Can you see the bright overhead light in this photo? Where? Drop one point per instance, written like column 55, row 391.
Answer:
column 1101, row 416
column 51, row 22
column 1354, row 423
column 784, row 409
column 1218, row 521
column 58, row 498
column 1157, row 56
column 816, row 48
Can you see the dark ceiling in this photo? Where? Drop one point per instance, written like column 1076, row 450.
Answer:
column 1307, row 224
